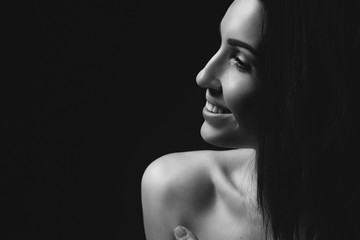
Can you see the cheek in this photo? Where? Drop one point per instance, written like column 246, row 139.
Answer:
column 240, row 96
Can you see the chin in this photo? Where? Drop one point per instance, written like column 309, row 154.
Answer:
column 227, row 137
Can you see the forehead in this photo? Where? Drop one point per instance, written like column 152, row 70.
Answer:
column 243, row 21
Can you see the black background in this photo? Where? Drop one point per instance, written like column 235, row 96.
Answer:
column 97, row 92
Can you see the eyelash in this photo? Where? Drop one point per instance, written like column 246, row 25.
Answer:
column 240, row 64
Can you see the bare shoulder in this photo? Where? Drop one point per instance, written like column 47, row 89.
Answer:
column 165, row 166
column 193, row 189
column 177, row 175
column 177, row 170
column 174, row 186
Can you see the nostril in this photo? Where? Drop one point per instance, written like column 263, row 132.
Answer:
column 215, row 92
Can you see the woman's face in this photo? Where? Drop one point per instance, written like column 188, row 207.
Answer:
column 231, row 78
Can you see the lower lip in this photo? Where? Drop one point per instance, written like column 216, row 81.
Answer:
column 215, row 118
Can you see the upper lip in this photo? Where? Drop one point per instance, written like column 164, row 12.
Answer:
column 214, row 102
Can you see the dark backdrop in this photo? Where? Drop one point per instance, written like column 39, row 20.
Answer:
column 98, row 91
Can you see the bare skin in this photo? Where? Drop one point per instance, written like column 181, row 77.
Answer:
column 213, row 193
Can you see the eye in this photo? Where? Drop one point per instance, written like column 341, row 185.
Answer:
column 236, row 60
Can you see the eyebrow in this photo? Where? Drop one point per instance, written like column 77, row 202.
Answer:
column 238, row 43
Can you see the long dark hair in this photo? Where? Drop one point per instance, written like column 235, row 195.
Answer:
column 308, row 182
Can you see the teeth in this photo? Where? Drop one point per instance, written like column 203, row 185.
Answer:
column 208, row 106
column 214, row 109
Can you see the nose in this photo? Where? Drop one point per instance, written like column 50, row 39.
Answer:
column 208, row 77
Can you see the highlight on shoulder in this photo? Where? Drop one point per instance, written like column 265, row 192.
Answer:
column 173, row 187
column 175, row 167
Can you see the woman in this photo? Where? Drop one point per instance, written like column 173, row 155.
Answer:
column 281, row 92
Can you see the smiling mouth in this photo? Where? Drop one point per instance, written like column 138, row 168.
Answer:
column 216, row 109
